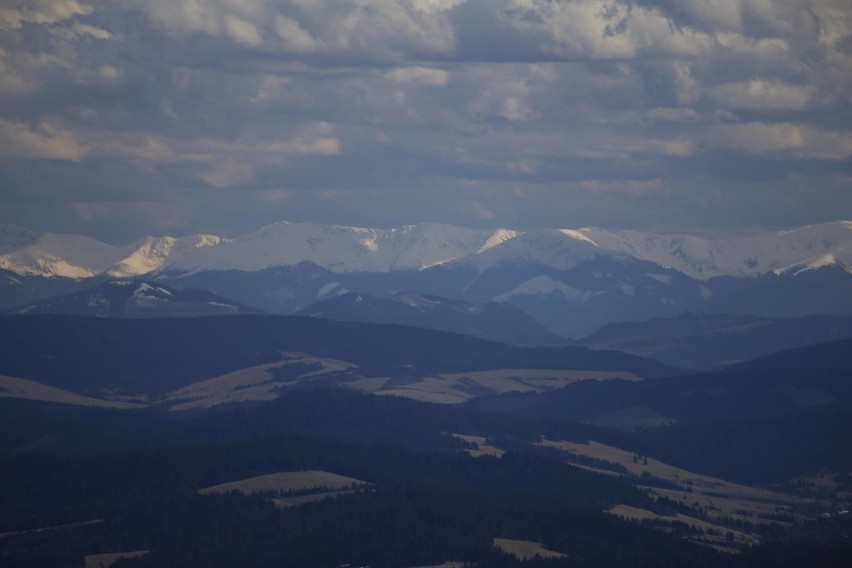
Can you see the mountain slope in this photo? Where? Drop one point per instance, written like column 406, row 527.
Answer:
column 496, row 322
column 91, row 355
column 136, row 299
column 571, row 281
column 785, row 383
column 702, row 341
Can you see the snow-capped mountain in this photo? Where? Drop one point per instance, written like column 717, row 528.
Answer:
column 806, row 247
column 572, row 281
column 417, row 247
column 340, row 249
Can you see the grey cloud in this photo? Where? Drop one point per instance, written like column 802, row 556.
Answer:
column 513, row 112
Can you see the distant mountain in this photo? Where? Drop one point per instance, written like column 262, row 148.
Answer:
column 571, row 281
column 785, row 383
column 833, row 355
column 417, row 247
column 497, row 322
column 136, row 299
column 704, row 341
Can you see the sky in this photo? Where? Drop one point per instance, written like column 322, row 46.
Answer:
column 123, row 119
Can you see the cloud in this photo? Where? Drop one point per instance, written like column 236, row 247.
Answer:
column 419, row 75
column 416, row 109
column 45, row 141
column 758, row 94
column 798, row 140
column 19, row 13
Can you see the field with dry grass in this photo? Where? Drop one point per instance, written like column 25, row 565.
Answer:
column 252, row 383
column 456, row 388
column 525, row 549
column 482, row 447
column 14, row 387
column 721, row 501
column 285, row 482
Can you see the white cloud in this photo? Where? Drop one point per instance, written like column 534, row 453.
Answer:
column 367, row 95
column 228, row 173
column 295, row 37
column 40, row 12
column 759, row 94
column 419, row 75
column 800, row 140
column 672, row 114
column 45, row 141
column 384, row 28
column 241, row 31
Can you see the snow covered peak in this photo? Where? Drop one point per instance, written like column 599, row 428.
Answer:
column 750, row 256
column 338, row 248
column 556, row 248
column 155, row 253
column 71, row 256
column 416, row 247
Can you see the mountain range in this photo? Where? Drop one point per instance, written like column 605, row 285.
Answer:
column 417, row 247
column 497, row 322
column 573, row 282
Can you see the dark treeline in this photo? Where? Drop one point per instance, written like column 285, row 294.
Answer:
column 407, row 525
column 758, row 451
column 41, row 490
column 332, row 413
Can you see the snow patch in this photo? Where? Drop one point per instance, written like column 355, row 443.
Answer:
column 541, row 286
column 326, row 289
column 221, row 305
column 662, row 278
column 415, row 300
column 815, row 263
column 500, row 236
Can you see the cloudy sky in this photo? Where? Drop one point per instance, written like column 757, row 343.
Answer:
column 120, row 119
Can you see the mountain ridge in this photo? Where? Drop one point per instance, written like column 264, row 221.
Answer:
column 340, row 248
column 125, row 298
column 493, row 321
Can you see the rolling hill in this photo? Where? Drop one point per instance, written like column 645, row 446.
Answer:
column 704, row 341
column 496, row 322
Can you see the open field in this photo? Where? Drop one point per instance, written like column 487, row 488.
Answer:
column 266, row 382
column 456, row 388
column 525, row 549
column 253, row 383
column 713, row 533
column 23, row 388
column 482, row 448
column 110, row 558
column 719, row 499
column 286, row 481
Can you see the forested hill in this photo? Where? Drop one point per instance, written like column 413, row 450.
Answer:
column 154, row 356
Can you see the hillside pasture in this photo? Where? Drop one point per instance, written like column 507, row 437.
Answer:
column 287, row 482
column 526, row 549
